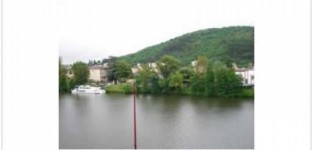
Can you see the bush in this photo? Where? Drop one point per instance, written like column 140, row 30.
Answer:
column 70, row 84
column 247, row 93
column 119, row 88
column 127, row 89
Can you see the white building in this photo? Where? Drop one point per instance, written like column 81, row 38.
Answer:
column 98, row 73
column 134, row 70
column 152, row 65
column 138, row 67
column 194, row 63
column 247, row 75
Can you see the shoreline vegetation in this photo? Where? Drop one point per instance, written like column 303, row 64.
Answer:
column 168, row 77
column 128, row 89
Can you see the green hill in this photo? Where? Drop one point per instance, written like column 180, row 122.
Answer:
column 228, row 44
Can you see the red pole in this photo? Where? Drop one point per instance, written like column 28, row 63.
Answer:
column 135, row 135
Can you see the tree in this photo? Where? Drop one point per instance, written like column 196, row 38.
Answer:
column 210, row 80
column 123, row 70
column 104, row 61
column 155, row 86
column 164, row 85
column 228, row 84
column 198, row 85
column 62, row 77
column 176, row 81
column 112, row 71
column 187, row 74
column 118, row 69
column 90, row 63
column 144, row 78
column 70, row 84
column 81, row 72
column 167, row 65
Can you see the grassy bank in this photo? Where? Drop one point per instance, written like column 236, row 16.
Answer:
column 119, row 88
column 125, row 88
column 247, row 93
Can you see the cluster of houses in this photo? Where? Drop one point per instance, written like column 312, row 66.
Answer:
column 138, row 67
column 99, row 73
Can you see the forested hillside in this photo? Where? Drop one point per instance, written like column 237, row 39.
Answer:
column 229, row 44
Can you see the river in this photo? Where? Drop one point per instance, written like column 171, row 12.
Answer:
column 106, row 121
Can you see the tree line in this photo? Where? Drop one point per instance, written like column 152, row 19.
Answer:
column 206, row 78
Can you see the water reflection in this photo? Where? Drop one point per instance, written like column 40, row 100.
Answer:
column 105, row 121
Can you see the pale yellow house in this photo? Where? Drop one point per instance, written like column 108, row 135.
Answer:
column 98, row 73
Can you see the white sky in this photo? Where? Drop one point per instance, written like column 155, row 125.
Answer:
column 96, row 29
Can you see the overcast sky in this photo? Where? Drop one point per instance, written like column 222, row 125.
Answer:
column 96, row 29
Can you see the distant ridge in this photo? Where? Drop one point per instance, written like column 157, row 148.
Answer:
column 228, row 44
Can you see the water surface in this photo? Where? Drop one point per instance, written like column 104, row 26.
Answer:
column 106, row 121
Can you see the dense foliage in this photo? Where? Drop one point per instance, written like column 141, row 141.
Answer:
column 112, row 69
column 123, row 70
column 119, row 88
column 62, row 78
column 228, row 45
column 176, row 81
column 227, row 83
column 216, row 80
column 118, row 70
column 81, row 72
column 145, row 79
column 168, row 64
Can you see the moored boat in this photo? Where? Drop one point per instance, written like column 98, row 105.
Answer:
column 87, row 89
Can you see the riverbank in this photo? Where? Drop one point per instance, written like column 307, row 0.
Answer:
column 119, row 88
column 125, row 88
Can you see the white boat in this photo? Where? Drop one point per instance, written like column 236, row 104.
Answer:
column 87, row 89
